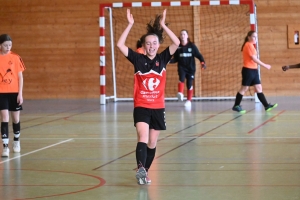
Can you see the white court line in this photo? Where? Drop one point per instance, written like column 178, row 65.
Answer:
column 25, row 154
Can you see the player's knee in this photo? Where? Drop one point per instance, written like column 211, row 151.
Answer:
column 152, row 144
column 5, row 117
column 258, row 89
column 143, row 139
column 243, row 90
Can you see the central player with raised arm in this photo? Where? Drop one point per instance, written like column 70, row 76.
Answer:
column 149, row 88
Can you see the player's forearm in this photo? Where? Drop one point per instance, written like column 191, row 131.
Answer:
column 173, row 37
column 256, row 60
column 124, row 35
column 294, row 66
column 200, row 57
column 20, row 83
column 121, row 42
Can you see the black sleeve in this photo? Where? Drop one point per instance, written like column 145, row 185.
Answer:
column 131, row 56
column 197, row 53
column 174, row 59
column 166, row 56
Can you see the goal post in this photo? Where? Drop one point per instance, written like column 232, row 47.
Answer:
column 217, row 27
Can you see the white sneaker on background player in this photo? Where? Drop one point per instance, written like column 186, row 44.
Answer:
column 17, row 147
column 188, row 103
column 5, row 152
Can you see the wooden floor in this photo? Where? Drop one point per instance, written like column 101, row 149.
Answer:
column 77, row 149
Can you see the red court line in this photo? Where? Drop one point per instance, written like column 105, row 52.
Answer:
column 60, row 118
column 200, row 135
column 211, row 116
column 91, row 187
column 269, row 120
column 52, row 114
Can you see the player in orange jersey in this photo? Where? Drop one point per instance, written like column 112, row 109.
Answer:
column 139, row 46
column 250, row 75
column 149, row 88
column 11, row 92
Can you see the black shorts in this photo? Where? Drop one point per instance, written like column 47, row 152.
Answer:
column 183, row 74
column 8, row 101
column 154, row 117
column 250, row 77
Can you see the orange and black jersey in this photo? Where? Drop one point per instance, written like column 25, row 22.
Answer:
column 149, row 78
column 185, row 57
column 10, row 65
column 22, row 63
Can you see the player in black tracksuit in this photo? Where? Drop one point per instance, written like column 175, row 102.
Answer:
column 185, row 58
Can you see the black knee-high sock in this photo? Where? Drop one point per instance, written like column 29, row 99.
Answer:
column 4, row 133
column 141, row 154
column 238, row 99
column 16, row 129
column 262, row 99
column 150, row 157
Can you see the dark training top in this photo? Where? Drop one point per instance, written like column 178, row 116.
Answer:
column 185, row 54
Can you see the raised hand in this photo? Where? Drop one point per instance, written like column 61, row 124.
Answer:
column 163, row 19
column 130, row 17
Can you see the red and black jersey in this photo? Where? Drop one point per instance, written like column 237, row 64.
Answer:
column 149, row 78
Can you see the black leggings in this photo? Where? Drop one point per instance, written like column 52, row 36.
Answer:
column 188, row 76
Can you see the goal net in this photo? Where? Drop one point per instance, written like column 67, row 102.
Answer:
column 218, row 29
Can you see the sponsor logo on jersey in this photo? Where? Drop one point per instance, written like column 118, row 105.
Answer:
column 185, row 55
column 151, row 83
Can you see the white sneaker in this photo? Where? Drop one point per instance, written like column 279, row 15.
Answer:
column 180, row 96
column 5, row 152
column 17, row 147
column 188, row 103
column 148, row 179
column 141, row 176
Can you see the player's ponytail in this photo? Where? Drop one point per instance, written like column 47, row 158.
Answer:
column 249, row 34
column 154, row 28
